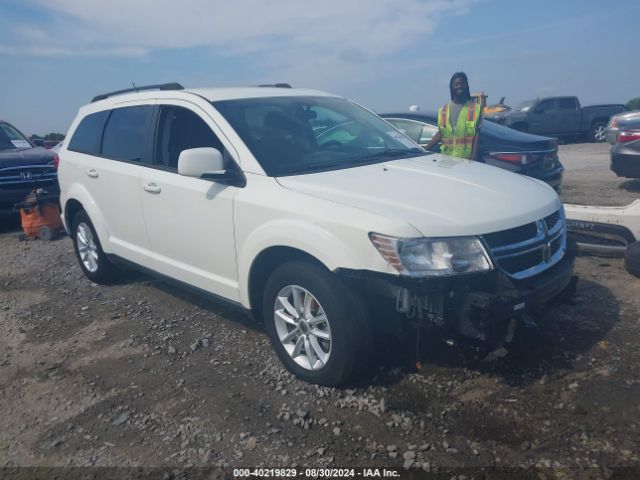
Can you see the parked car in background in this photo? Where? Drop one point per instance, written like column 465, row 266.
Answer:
column 48, row 144
column 23, row 167
column 559, row 117
column 328, row 238
column 531, row 155
column 611, row 132
column 625, row 154
column 56, row 147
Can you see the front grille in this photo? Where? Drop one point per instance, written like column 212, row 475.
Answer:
column 27, row 176
column 552, row 219
column 529, row 249
column 513, row 235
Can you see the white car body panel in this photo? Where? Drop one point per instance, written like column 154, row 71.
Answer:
column 122, row 234
column 336, row 235
column 190, row 228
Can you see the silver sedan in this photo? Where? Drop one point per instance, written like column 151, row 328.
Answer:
column 611, row 132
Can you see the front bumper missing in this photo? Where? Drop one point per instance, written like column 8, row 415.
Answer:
column 477, row 306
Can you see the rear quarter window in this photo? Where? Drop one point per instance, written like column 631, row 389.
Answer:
column 87, row 137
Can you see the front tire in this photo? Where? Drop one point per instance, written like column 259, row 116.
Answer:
column 632, row 259
column 597, row 133
column 91, row 257
column 316, row 324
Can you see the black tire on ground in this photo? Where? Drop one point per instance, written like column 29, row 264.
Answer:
column 596, row 134
column 105, row 271
column 351, row 333
column 632, row 259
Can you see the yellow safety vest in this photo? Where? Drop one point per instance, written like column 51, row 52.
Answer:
column 460, row 144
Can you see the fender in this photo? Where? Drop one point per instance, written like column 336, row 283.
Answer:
column 311, row 238
column 79, row 192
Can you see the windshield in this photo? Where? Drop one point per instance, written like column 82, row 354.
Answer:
column 10, row 138
column 524, row 106
column 298, row 135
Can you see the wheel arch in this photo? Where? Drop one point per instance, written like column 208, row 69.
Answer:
column 78, row 198
column 265, row 263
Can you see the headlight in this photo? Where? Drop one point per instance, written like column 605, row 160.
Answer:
column 421, row 257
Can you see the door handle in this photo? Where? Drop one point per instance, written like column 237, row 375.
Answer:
column 152, row 188
column 93, row 173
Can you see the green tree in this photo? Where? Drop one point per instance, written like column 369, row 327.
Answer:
column 58, row 137
column 634, row 104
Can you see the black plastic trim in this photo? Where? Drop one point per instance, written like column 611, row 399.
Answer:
column 185, row 286
column 160, row 86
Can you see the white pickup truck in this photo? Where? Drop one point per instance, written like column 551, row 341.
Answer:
column 309, row 212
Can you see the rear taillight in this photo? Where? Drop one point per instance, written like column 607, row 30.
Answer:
column 516, row 158
column 56, row 161
column 627, row 136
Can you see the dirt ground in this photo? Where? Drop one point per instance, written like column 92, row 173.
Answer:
column 142, row 374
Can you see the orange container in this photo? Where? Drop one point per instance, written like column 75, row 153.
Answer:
column 37, row 218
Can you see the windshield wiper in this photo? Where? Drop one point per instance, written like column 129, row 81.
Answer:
column 391, row 153
column 315, row 167
column 387, row 153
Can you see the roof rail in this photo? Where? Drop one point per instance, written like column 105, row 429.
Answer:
column 160, row 86
column 276, row 85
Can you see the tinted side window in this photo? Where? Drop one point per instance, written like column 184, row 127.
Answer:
column 180, row 129
column 126, row 133
column 567, row 104
column 545, row 107
column 86, row 138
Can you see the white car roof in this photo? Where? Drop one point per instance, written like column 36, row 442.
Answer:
column 234, row 93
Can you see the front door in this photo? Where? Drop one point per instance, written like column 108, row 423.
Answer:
column 544, row 118
column 189, row 221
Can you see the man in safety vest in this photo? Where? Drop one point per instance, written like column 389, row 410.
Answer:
column 458, row 121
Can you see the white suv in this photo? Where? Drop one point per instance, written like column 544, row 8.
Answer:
column 309, row 212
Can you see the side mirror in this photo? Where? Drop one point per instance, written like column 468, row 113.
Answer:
column 207, row 163
column 196, row 161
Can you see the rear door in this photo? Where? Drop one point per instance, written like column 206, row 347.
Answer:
column 107, row 151
column 189, row 221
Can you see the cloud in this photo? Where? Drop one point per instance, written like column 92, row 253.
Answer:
column 350, row 30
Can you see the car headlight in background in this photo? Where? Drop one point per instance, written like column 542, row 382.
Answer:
column 422, row 257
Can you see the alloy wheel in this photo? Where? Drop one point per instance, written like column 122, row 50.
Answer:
column 302, row 327
column 87, row 248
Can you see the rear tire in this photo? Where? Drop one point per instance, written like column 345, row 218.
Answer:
column 632, row 259
column 596, row 134
column 91, row 257
column 316, row 324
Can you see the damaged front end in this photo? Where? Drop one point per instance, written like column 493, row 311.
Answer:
column 529, row 266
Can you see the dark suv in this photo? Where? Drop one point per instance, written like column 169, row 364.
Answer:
column 23, row 167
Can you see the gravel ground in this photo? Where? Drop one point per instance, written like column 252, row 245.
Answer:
column 142, row 374
column 588, row 180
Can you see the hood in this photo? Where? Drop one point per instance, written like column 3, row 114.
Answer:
column 23, row 157
column 436, row 194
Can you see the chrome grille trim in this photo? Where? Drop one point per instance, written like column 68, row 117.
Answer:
column 538, row 253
